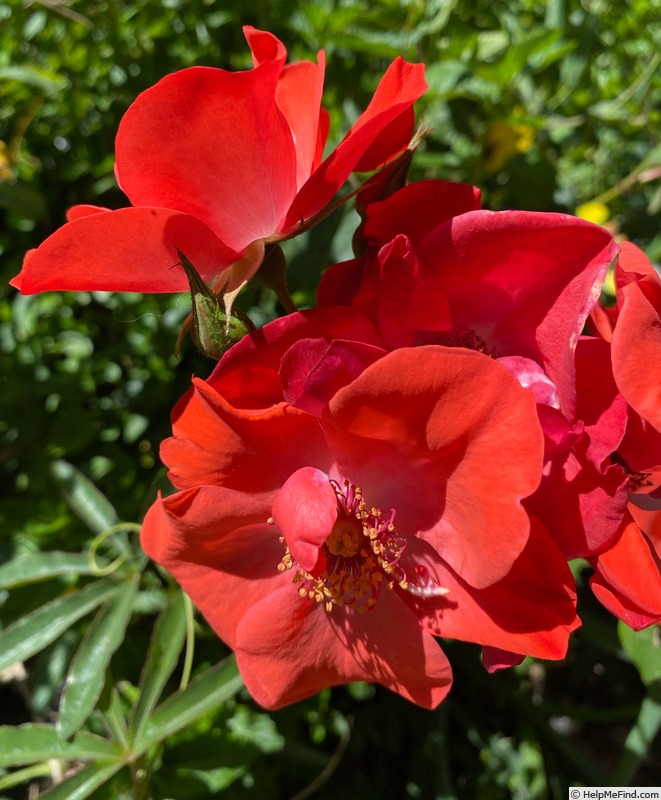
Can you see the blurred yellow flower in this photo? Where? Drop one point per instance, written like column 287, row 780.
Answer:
column 504, row 140
column 598, row 213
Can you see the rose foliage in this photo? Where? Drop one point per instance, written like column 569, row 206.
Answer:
column 421, row 455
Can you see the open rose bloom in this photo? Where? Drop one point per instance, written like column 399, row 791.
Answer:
column 215, row 164
column 420, row 456
column 520, row 287
column 340, row 506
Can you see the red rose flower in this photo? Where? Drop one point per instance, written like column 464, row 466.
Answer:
column 627, row 578
column 214, row 163
column 584, row 492
column 509, row 283
column 633, row 328
column 517, row 286
column 636, row 338
column 340, row 506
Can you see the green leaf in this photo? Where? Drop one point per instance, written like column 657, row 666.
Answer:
column 616, row 108
column 82, row 496
column 36, row 630
column 443, row 76
column 166, row 643
column 250, row 727
column 41, row 566
column 49, row 82
column 491, row 44
column 87, row 672
column 644, row 649
column 555, row 14
column 83, row 783
column 114, row 717
column 26, row 744
column 207, row 691
column 41, row 770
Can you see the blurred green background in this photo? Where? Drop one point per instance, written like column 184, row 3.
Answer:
column 545, row 105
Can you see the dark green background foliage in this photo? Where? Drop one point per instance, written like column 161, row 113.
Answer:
column 544, row 105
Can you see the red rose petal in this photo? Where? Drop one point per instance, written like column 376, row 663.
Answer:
column 400, row 87
column 289, row 648
column 218, row 545
column 213, row 144
column 129, row 250
column 449, row 439
column 305, row 510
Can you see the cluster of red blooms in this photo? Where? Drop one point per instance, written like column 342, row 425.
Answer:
column 421, row 454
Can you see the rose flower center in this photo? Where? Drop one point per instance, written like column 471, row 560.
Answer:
column 346, row 538
column 361, row 551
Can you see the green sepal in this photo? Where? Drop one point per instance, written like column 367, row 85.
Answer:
column 212, row 330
